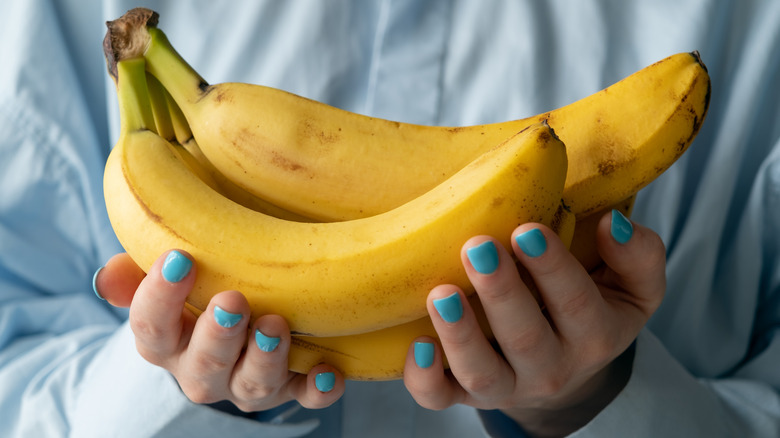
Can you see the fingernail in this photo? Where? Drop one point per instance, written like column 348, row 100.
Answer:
column 176, row 267
column 621, row 228
column 266, row 343
column 532, row 242
column 325, row 381
column 423, row 354
column 483, row 257
column 450, row 308
column 94, row 283
column 224, row 318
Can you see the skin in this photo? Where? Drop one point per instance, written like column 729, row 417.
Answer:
column 556, row 369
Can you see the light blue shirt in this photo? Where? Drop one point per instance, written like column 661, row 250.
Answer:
column 708, row 364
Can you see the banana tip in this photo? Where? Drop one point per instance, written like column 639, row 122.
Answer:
column 697, row 56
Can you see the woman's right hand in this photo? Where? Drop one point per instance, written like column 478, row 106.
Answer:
column 213, row 356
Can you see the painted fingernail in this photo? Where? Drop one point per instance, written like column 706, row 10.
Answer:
column 266, row 343
column 450, row 308
column 483, row 257
column 423, row 354
column 532, row 242
column 176, row 267
column 94, row 283
column 225, row 318
column 621, row 228
column 325, row 381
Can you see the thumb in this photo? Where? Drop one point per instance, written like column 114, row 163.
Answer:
column 634, row 261
column 118, row 280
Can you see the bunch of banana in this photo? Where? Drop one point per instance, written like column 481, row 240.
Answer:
column 318, row 274
column 242, row 176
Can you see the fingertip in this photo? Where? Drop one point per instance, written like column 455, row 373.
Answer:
column 176, row 266
column 424, row 375
column 620, row 227
column 637, row 257
column 423, row 354
column 271, row 334
column 324, row 385
column 229, row 309
column 446, row 302
column 117, row 281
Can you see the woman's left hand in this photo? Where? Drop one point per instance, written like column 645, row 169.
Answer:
column 554, row 364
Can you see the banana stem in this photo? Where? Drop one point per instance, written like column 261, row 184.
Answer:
column 135, row 109
column 162, row 116
column 181, row 126
column 179, row 78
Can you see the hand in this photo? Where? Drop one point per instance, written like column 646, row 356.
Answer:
column 558, row 362
column 211, row 356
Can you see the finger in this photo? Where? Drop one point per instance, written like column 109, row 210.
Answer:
column 425, row 379
column 573, row 303
column 635, row 259
column 476, row 365
column 518, row 324
column 214, row 348
column 319, row 389
column 117, row 281
column 157, row 315
column 262, row 371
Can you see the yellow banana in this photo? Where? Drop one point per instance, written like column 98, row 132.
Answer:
column 327, row 279
column 381, row 354
column 376, row 355
column 329, row 164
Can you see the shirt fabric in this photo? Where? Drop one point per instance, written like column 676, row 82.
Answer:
column 708, row 363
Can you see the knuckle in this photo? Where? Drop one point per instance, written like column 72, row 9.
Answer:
column 480, row 383
column 247, row 389
column 207, row 364
column 575, row 302
column 429, row 397
column 143, row 329
column 600, row 352
column 546, row 387
column 525, row 342
column 198, row 393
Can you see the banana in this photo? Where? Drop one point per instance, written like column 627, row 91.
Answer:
column 326, row 279
column 376, row 355
column 328, row 164
column 381, row 354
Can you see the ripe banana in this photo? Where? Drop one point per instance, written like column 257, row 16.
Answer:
column 326, row 279
column 329, row 164
column 377, row 355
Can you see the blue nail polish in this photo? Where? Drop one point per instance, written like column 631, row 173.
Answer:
column 325, row 381
column 450, row 308
column 176, row 267
column 266, row 343
column 94, row 283
column 621, row 228
column 532, row 242
column 224, row 318
column 423, row 354
column 483, row 257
